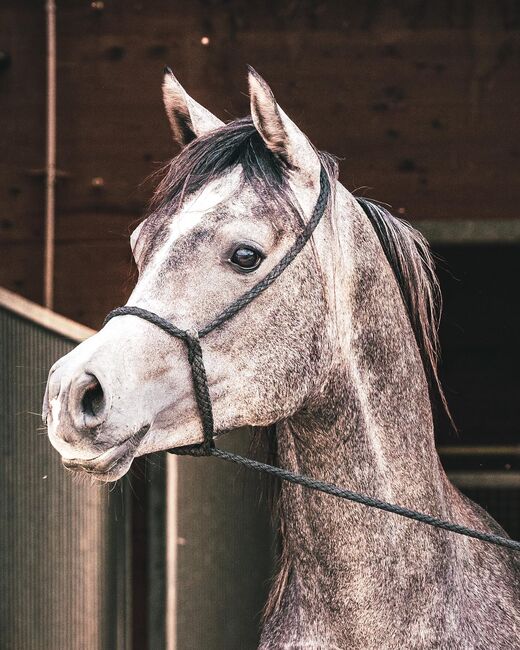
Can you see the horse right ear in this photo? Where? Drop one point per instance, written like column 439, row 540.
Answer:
column 188, row 119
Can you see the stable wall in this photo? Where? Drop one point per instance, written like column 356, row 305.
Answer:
column 420, row 100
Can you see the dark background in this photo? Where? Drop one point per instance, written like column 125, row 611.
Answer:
column 420, row 100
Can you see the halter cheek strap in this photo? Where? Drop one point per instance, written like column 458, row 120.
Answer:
column 202, row 397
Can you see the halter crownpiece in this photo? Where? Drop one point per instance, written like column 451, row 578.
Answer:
column 192, row 338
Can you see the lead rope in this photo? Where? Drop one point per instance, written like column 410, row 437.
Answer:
column 371, row 502
column 200, row 386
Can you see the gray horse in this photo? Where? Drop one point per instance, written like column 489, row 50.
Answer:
column 339, row 355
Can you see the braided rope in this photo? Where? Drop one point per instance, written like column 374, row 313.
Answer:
column 200, row 385
column 371, row 502
column 198, row 370
column 203, row 400
column 154, row 319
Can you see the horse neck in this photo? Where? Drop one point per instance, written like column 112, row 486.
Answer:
column 369, row 429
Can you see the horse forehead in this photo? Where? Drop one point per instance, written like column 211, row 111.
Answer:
column 192, row 213
column 169, row 228
column 200, row 204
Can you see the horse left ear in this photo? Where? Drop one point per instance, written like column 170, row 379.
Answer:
column 280, row 133
column 188, row 119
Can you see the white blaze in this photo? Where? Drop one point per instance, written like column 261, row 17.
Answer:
column 181, row 224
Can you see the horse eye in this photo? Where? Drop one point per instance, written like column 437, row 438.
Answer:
column 246, row 258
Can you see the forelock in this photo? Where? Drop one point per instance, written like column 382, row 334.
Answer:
column 211, row 156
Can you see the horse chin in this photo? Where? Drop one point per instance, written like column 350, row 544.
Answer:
column 116, row 471
column 112, row 464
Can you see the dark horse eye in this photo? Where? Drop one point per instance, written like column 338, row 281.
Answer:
column 246, row 258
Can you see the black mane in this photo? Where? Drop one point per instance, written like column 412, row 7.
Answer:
column 210, row 156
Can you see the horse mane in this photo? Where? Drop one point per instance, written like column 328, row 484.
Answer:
column 210, row 156
column 411, row 260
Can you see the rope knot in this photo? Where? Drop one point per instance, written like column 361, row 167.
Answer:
column 193, row 334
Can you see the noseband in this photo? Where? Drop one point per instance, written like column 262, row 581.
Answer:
column 200, row 386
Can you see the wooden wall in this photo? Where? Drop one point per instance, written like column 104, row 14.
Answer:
column 420, row 99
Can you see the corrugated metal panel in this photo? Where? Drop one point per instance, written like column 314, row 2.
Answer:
column 83, row 566
column 63, row 548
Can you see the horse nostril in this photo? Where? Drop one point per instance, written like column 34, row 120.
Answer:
column 93, row 400
column 89, row 402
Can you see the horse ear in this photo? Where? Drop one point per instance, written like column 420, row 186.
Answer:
column 280, row 133
column 188, row 119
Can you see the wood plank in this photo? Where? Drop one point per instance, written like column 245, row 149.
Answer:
column 44, row 317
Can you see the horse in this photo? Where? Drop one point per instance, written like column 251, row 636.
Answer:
column 338, row 359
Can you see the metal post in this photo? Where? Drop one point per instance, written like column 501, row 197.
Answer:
column 171, row 551
column 50, row 166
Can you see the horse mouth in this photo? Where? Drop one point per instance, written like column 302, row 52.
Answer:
column 108, row 465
